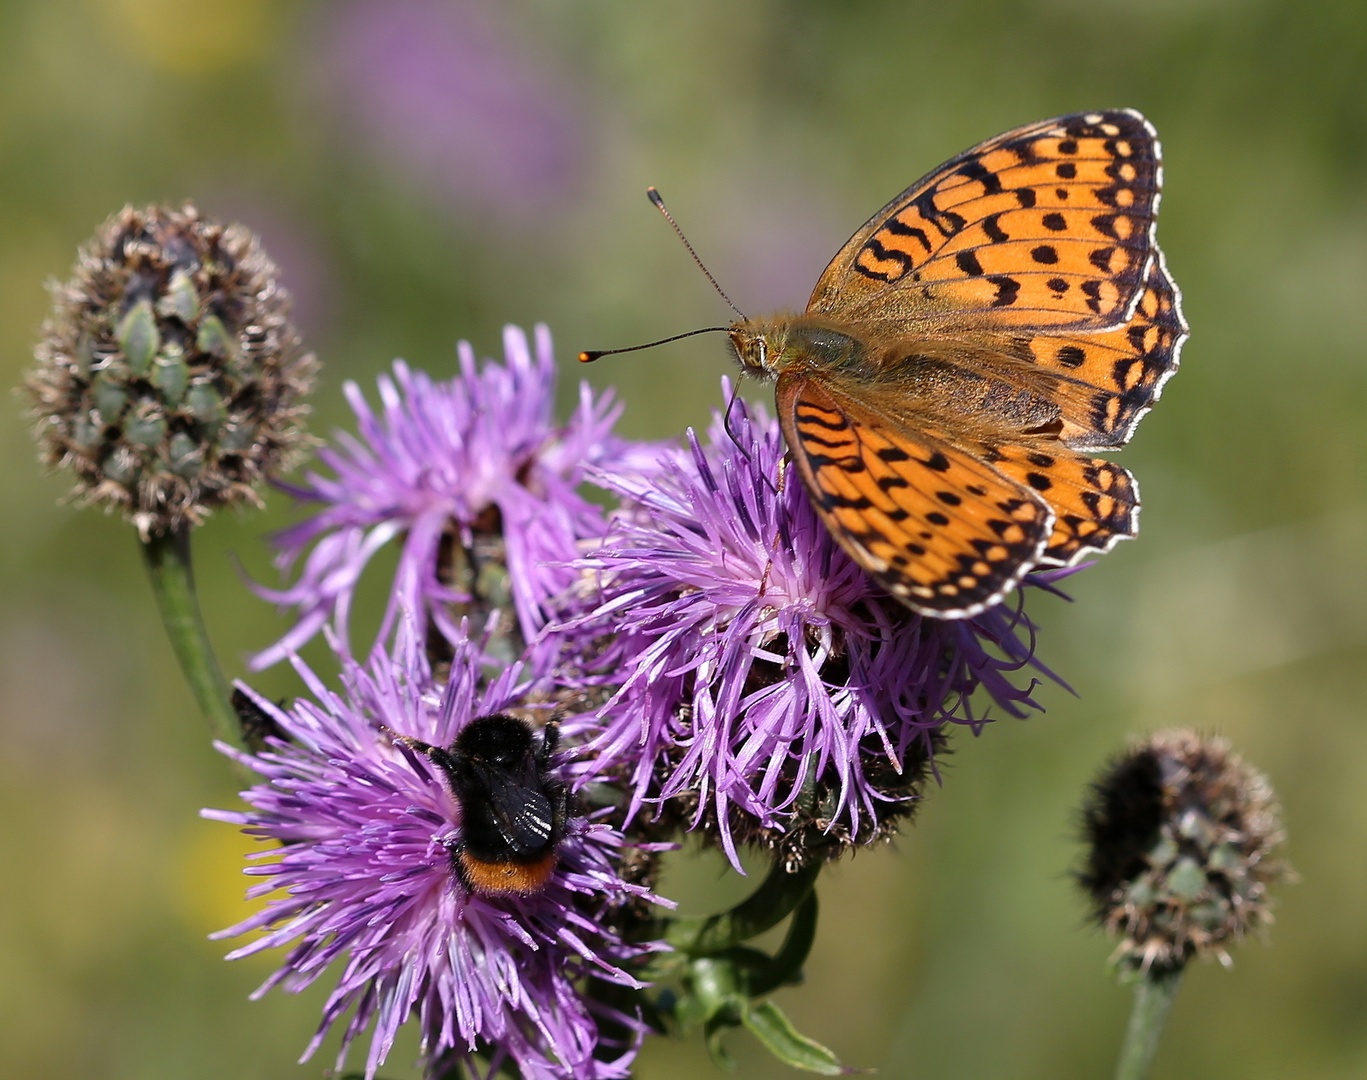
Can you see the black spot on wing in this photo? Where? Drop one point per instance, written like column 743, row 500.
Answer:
column 976, row 170
column 900, row 228
column 1071, row 356
column 994, row 231
column 815, row 414
column 850, row 464
column 883, row 255
column 1092, row 290
column 1007, row 290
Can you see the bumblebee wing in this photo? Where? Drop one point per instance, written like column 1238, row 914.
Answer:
column 523, row 815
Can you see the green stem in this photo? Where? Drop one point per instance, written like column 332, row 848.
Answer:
column 168, row 566
column 1153, row 995
column 785, row 966
column 766, row 907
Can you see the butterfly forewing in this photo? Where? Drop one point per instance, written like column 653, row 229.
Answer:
column 1110, row 378
column 1050, row 225
column 944, row 531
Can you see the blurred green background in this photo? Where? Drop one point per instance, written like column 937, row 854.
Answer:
column 427, row 170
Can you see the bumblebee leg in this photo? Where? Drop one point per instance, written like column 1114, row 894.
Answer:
column 437, row 755
column 560, row 812
column 550, row 739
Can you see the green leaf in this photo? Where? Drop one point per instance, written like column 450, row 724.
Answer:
column 768, row 1024
column 714, row 1029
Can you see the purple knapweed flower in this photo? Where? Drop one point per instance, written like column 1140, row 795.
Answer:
column 478, row 456
column 364, row 876
column 761, row 674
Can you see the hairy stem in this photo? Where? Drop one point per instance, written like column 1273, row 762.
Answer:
column 167, row 557
column 1153, row 995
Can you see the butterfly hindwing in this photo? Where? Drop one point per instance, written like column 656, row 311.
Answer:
column 1095, row 502
column 1049, row 225
column 944, row 531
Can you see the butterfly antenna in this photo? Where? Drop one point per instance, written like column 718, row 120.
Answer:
column 659, row 202
column 590, row 355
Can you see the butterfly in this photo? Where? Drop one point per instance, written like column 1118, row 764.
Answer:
column 968, row 350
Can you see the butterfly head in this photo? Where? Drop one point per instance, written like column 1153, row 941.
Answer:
column 768, row 347
column 764, row 347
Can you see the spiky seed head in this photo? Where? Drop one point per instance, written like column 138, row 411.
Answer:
column 1180, row 837
column 169, row 376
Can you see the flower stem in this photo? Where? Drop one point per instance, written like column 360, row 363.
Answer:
column 1153, row 995
column 775, row 899
column 167, row 557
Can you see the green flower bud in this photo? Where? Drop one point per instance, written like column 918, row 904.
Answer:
column 184, row 455
column 146, row 428
column 139, row 338
column 110, row 396
column 214, row 338
column 172, row 378
column 185, row 319
column 180, row 299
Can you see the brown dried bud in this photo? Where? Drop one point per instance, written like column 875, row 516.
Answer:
column 1180, row 834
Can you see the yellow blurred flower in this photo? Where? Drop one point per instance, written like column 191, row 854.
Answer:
column 192, row 37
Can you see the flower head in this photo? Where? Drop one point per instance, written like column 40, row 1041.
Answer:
column 472, row 469
column 169, row 376
column 1180, row 834
column 366, row 875
column 761, row 672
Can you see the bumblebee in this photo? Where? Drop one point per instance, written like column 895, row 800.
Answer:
column 512, row 811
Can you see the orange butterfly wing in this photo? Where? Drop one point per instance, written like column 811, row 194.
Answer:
column 1047, row 225
column 1027, row 269
column 1095, row 502
column 945, row 532
column 1108, row 379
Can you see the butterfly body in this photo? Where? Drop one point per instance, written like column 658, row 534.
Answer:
column 913, row 377
column 967, row 348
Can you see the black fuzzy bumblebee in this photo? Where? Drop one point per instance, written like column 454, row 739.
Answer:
column 512, row 810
